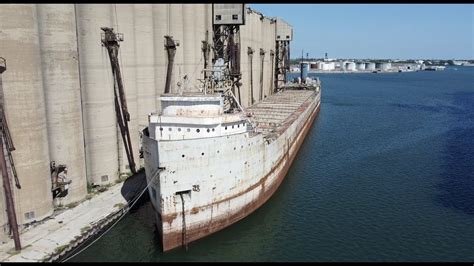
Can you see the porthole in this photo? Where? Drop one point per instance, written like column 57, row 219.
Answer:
column 213, row 129
column 202, row 154
column 182, row 155
column 189, row 130
column 234, row 148
column 197, row 130
column 238, row 125
column 208, row 130
column 232, row 126
column 169, row 129
column 161, row 129
column 226, row 128
column 179, row 129
column 217, row 151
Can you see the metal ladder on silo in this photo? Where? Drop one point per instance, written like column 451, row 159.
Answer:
column 111, row 41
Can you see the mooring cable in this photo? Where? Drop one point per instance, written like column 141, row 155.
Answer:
column 128, row 207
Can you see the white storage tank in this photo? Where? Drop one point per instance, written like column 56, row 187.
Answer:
column 386, row 66
column 370, row 66
column 331, row 66
column 350, row 66
column 320, row 65
column 342, row 65
column 360, row 66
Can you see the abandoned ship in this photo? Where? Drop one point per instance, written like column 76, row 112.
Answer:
column 210, row 162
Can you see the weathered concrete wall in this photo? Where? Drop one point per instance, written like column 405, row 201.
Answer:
column 25, row 106
column 124, row 19
column 100, row 130
column 59, row 86
column 60, row 72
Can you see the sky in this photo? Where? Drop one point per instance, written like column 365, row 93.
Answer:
column 378, row 31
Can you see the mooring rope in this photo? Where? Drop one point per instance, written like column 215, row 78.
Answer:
column 128, row 207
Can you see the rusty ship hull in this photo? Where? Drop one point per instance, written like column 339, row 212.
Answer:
column 200, row 185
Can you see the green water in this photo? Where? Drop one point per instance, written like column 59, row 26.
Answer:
column 386, row 173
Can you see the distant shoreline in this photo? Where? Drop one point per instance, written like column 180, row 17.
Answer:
column 353, row 72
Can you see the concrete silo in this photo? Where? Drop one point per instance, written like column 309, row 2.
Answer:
column 187, row 45
column 252, row 19
column 145, row 62
column 100, row 129
column 175, row 29
column 60, row 72
column 270, row 28
column 160, row 30
column 255, row 19
column 245, row 42
column 125, row 23
column 200, row 24
column 25, row 111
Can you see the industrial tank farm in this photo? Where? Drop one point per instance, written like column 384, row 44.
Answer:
column 59, row 88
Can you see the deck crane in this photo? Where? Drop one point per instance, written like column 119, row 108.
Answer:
column 110, row 40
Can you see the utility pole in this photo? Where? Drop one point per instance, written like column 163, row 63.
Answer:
column 5, row 137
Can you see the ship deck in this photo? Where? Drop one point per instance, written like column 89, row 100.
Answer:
column 275, row 112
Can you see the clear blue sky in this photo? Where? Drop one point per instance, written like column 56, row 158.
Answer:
column 404, row 31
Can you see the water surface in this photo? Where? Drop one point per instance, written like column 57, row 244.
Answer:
column 386, row 173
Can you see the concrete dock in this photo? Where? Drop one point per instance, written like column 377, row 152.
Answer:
column 56, row 235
